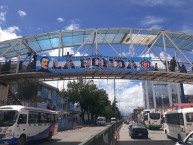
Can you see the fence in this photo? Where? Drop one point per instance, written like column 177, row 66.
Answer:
column 109, row 136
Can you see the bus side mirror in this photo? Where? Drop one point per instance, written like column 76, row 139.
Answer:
column 180, row 141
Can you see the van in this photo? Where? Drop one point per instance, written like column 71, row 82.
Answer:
column 113, row 120
column 101, row 121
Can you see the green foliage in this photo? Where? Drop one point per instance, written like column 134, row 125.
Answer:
column 89, row 97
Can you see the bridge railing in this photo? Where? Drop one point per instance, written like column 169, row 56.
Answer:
column 13, row 66
column 162, row 66
column 109, row 136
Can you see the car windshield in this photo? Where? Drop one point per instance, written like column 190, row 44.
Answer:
column 7, row 117
column 100, row 119
column 154, row 115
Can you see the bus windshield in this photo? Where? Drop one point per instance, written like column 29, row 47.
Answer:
column 7, row 117
column 154, row 115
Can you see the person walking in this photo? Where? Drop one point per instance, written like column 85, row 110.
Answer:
column 156, row 67
column 173, row 64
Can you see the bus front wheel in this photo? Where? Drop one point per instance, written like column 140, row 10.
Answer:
column 22, row 140
column 49, row 136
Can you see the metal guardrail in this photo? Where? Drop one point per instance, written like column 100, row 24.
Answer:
column 109, row 136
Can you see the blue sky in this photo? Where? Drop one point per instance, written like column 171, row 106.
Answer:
column 25, row 18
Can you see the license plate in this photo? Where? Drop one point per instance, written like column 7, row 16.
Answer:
column 139, row 134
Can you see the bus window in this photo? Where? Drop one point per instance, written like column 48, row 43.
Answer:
column 33, row 117
column 22, row 119
column 43, row 118
column 181, row 119
column 145, row 118
column 8, row 118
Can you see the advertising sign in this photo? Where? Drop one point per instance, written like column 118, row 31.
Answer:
column 64, row 64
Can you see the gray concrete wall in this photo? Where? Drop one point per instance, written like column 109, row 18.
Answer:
column 3, row 93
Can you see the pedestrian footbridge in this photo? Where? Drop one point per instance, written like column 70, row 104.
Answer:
column 109, row 53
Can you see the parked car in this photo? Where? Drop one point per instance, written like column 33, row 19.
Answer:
column 138, row 130
column 187, row 141
column 101, row 121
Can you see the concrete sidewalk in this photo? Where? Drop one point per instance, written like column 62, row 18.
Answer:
column 123, row 134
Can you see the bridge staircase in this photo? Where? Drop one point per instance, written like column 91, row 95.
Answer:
column 12, row 99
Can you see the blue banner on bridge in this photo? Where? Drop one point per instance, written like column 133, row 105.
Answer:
column 64, row 64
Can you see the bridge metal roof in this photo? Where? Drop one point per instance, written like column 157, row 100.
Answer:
column 62, row 39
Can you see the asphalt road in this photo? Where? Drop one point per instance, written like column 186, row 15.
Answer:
column 74, row 137
column 156, row 137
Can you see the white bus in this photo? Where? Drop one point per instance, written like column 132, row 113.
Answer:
column 20, row 124
column 152, row 120
column 178, row 123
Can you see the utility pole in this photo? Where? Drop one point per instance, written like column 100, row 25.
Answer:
column 115, row 96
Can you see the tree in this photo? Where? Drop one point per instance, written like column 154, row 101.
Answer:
column 79, row 92
column 92, row 100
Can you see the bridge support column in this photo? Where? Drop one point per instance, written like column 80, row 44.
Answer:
column 146, row 95
column 170, row 95
column 3, row 93
column 178, row 92
column 154, row 97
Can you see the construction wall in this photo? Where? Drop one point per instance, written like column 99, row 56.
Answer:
column 3, row 93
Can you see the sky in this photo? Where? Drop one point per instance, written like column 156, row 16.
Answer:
column 21, row 18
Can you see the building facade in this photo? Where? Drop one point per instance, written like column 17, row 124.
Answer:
column 158, row 94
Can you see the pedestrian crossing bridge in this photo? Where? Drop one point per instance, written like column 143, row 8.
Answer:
column 18, row 57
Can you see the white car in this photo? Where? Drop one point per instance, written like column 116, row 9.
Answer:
column 187, row 141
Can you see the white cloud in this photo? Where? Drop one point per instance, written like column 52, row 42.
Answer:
column 151, row 3
column 3, row 13
column 129, row 94
column 186, row 29
column 60, row 19
column 72, row 27
column 152, row 22
column 22, row 13
column 155, row 27
column 9, row 33
column 39, row 29
column 55, row 52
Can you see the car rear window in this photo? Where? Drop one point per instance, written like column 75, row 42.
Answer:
column 138, row 126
